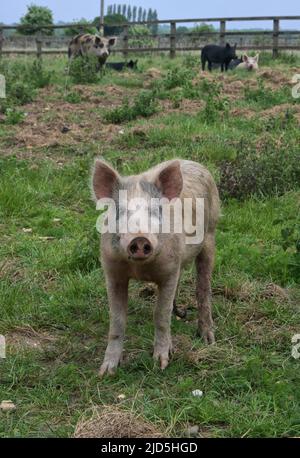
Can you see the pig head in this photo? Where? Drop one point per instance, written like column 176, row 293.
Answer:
column 249, row 63
column 140, row 252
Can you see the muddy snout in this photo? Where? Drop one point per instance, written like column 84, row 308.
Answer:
column 140, row 249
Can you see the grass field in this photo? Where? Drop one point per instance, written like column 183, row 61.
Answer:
column 245, row 129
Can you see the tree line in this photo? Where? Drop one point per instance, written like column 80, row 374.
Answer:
column 116, row 13
column 133, row 13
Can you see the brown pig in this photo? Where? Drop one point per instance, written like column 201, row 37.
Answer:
column 86, row 44
column 154, row 254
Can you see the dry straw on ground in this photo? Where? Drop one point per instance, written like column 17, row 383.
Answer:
column 114, row 422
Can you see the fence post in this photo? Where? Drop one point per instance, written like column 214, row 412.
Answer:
column 1, row 41
column 222, row 32
column 275, row 38
column 125, row 42
column 173, row 40
column 38, row 45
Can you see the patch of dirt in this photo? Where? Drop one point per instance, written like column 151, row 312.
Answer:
column 186, row 106
column 153, row 73
column 9, row 267
column 250, row 291
column 242, row 113
column 113, row 422
column 52, row 123
column 281, row 109
column 214, row 353
column 27, row 337
column 274, row 78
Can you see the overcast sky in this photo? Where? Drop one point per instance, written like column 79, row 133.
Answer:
column 68, row 10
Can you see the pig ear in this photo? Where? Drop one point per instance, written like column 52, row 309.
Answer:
column 112, row 41
column 97, row 40
column 170, row 181
column 245, row 58
column 227, row 45
column 256, row 57
column 105, row 180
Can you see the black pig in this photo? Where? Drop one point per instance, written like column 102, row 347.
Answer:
column 222, row 55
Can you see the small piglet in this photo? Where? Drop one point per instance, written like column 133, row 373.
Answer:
column 249, row 63
column 232, row 65
column 150, row 253
column 222, row 55
column 119, row 66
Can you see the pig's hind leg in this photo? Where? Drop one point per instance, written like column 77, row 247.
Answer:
column 118, row 299
column 204, row 267
column 162, row 320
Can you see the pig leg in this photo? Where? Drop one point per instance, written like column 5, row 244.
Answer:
column 209, row 66
column 181, row 313
column 204, row 267
column 118, row 298
column 162, row 321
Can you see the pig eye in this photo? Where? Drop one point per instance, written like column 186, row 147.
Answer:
column 101, row 45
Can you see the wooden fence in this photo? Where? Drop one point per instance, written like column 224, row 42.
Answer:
column 220, row 36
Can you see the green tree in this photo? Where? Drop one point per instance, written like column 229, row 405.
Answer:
column 144, row 17
column 140, row 14
column 114, row 9
column 124, row 10
column 182, row 29
column 112, row 19
column 119, row 9
column 129, row 13
column 70, row 32
column 35, row 16
column 203, row 27
column 139, row 36
column 134, row 13
column 149, row 16
column 154, row 27
column 109, row 9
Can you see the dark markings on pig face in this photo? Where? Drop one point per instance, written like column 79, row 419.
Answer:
column 102, row 47
column 139, row 242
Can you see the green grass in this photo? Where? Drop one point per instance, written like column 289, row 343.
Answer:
column 52, row 289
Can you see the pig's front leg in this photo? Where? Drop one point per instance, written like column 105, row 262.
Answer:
column 118, row 298
column 162, row 320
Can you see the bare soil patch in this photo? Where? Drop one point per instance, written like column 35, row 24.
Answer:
column 23, row 337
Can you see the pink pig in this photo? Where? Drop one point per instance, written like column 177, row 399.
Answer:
column 156, row 256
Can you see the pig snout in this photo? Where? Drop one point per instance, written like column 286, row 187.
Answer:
column 140, row 249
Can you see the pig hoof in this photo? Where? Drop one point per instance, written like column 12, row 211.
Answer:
column 207, row 335
column 162, row 356
column 108, row 367
column 163, row 359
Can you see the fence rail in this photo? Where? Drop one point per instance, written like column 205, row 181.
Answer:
column 173, row 36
